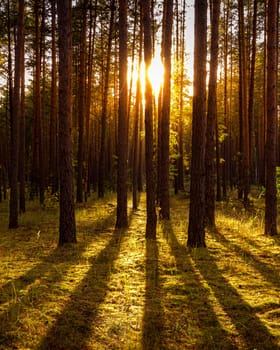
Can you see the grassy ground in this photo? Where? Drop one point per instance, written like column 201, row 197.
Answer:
column 115, row 290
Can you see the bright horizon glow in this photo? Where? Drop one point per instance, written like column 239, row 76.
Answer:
column 155, row 74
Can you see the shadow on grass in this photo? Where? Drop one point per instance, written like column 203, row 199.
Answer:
column 153, row 319
column 73, row 325
column 32, row 287
column 200, row 324
column 243, row 316
column 69, row 254
column 269, row 274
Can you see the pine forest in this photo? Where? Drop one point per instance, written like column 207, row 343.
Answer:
column 139, row 174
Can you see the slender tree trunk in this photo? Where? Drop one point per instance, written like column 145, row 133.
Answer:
column 251, row 100
column 245, row 152
column 212, row 117
column 53, row 165
column 196, row 228
column 67, row 224
column 165, row 112
column 82, row 105
column 101, row 174
column 13, row 217
column 136, row 140
column 149, row 137
column 180, row 161
column 122, row 147
column 270, row 147
column 22, row 157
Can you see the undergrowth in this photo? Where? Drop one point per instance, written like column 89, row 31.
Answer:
column 116, row 290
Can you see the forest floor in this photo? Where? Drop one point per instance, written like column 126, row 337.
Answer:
column 117, row 290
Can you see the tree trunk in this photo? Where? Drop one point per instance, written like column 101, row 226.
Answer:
column 149, row 137
column 13, row 217
column 122, row 148
column 101, row 174
column 212, row 117
column 270, row 147
column 67, row 225
column 251, row 100
column 53, row 163
column 196, row 228
column 82, row 106
column 22, row 137
column 165, row 111
column 244, row 122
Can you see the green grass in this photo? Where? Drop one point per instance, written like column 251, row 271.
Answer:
column 115, row 290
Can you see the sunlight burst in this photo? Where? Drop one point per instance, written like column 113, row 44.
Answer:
column 156, row 72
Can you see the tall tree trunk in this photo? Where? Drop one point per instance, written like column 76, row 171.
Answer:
column 165, row 111
column 212, row 116
column 53, row 162
column 91, row 49
column 270, row 147
column 101, row 169
column 13, row 217
column 37, row 168
column 82, row 105
column 122, row 147
column 196, row 228
column 180, row 161
column 67, row 224
column 149, row 137
column 251, row 100
column 245, row 151
column 22, row 137
column 136, row 138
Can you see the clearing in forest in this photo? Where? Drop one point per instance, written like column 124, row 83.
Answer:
column 115, row 290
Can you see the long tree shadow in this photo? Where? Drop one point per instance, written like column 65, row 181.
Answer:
column 70, row 255
column 247, row 323
column 270, row 274
column 201, row 320
column 73, row 326
column 35, row 286
column 153, row 318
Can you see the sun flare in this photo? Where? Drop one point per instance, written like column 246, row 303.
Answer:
column 155, row 74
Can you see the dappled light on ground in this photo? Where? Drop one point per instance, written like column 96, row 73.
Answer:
column 115, row 290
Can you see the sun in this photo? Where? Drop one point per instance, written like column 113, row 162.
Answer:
column 155, row 74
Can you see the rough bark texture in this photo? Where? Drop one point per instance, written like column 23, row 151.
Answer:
column 53, row 163
column 122, row 220
column 270, row 147
column 13, row 217
column 150, row 170
column 196, row 228
column 211, row 117
column 67, row 225
column 165, row 112
column 101, row 174
column 82, row 106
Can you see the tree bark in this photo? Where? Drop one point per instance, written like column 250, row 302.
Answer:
column 165, row 112
column 149, row 137
column 196, row 228
column 13, row 215
column 270, row 146
column 122, row 147
column 67, row 224
column 212, row 117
